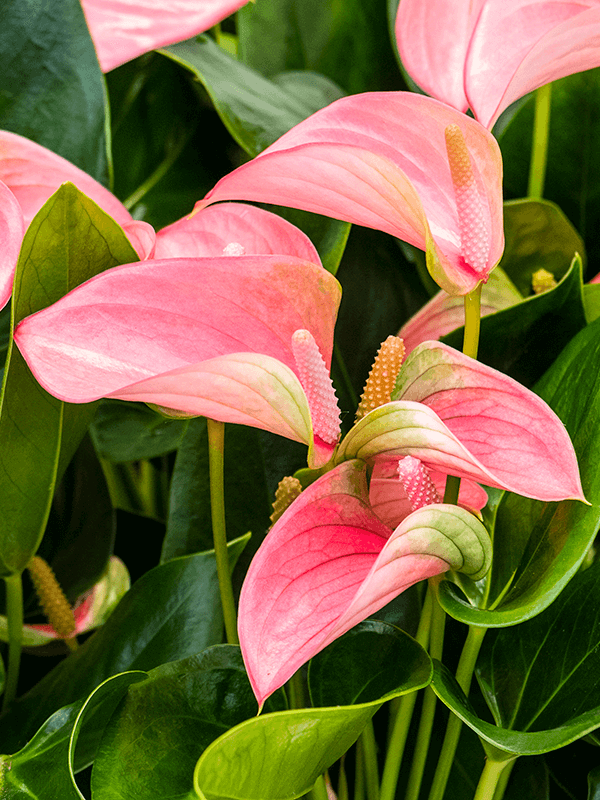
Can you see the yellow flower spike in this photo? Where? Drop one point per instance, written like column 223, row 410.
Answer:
column 542, row 281
column 52, row 599
column 382, row 377
column 287, row 491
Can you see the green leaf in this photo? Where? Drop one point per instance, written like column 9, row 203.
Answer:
column 247, row 508
column 278, row 35
column 255, row 110
column 44, row 767
column 591, row 301
column 132, row 431
column 68, row 241
column 524, row 340
column 511, row 742
column 171, row 612
column 525, row 685
column 151, row 746
column 538, row 547
column 573, row 162
column 281, row 755
column 51, row 86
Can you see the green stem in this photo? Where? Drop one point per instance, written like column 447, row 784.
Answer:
column 14, row 614
column 490, row 778
column 464, row 675
column 295, row 687
column 369, row 749
column 472, row 322
column 401, row 726
column 539, row 148
column 319, row 790
column 504, row 778
column 216, row 448
column 162, row 169
column 342, row 784
column 359, row 772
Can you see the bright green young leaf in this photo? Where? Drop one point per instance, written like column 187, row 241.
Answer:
column 573, row 162
column 526, row 685
column 44, row 767
column 525, row 339
column 171, row 612
column 538, row 547
column 278, row 35
column 151, row 746
column 281, row 755
column 68, row 241
column 133, row 431
column 255, row 110
column 512, row 743
column 51, row 86
column 247, row 507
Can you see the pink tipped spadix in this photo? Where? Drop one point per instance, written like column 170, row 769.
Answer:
column 417, row 483
column 472, row 217
column 315, row 380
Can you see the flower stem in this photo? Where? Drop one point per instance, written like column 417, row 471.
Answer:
column 14, row 614
column 472, row 322
column 490, row 777
column 401, row 726
column 464, row 674
column 216, row 447
column 165, row 165
column 369, row 750
column 539, row 148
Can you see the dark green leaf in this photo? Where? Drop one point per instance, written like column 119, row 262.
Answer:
column 279, row 35
column 151, row 746
column 189, row 527
column 132, row 432
column 281, row 755
column 594, row 784
column 255, row 110
column 538, row 547
column 524, row 340
column 51, row 86
column 68, row 241
column 172, row 612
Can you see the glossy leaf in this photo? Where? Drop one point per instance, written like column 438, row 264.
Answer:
column 195, row 700
column 247, row 506
column 44, row 767
column 51, row 87
column 281, row 755
column 172, row 612
column 255, row 110
column 538, row 547
column 126, row 30
column 524, row 340
column 70, row 240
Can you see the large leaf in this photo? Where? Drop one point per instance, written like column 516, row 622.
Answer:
column 255, row 110
column 151, row 745
column 525, row 339
column 44, row 767
column 538, row 547
column 281, row 755
column 278, row 35
column 172, row 612
column 51, row 87
column 189, row 526
column 70, row 240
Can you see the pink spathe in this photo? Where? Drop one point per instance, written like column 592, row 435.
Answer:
column 485, row 54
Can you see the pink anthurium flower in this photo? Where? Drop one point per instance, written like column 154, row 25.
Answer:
column 11, row 236
column 485, row 54
column 399, row 162
column 238, row 338
column 124, row 29
column 329, row 563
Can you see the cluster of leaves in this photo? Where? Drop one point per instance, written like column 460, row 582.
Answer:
column 153, row 699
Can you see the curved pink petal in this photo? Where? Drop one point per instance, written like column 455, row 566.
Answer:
column 214, row 229
column 444, row 313
column 433, row 38
column 380, row 160
column 391, row 504
column 305, row 575
column 519, row 45
column 11, row 236
column 508, row 428
column 142, row 237
column 124, row 29
column 33, row 173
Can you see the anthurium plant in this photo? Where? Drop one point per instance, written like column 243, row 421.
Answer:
column 300, row 405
